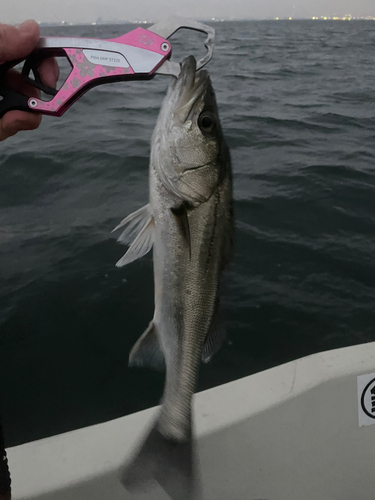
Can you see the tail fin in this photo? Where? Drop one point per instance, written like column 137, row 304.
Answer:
column 168, row 462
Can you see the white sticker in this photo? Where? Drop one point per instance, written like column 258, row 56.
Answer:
column 366, row 399
column 106, row 58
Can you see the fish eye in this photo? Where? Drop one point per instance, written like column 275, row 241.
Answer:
column 207, row 122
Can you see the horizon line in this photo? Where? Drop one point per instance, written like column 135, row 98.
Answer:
column 99, row 21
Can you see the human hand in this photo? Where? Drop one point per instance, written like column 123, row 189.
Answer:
column 16, row 43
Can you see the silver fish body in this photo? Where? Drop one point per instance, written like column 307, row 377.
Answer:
column 189, row 223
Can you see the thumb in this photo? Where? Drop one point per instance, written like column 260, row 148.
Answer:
column 16, row 42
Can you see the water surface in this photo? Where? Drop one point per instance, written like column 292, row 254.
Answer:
column 297, row 104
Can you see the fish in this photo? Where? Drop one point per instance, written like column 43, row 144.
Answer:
column 188, row 223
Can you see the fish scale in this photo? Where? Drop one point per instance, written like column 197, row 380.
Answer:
column 190, row 217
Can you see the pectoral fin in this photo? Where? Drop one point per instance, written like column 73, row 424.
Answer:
column 181, row 215
column 146, row 352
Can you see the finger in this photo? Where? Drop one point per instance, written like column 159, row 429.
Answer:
column 16, row 81
column 18, row 42
column 49, row 72
column 14, row 121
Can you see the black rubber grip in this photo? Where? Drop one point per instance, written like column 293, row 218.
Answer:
column 11, row 100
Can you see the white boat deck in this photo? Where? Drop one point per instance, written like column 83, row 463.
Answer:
column 288, row 433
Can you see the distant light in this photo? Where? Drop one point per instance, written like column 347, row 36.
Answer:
column 277, row 18
column 325, row 18
column 290, row 18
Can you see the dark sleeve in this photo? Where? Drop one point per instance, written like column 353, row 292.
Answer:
column 4, row 470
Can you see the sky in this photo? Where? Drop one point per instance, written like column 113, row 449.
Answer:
column 15, row 11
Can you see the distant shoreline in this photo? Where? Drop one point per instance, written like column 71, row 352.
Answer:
column 110, row 23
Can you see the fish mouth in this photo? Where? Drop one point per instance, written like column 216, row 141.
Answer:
column 190, row 88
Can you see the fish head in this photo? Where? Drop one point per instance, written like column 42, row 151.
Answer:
column 188, row 139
